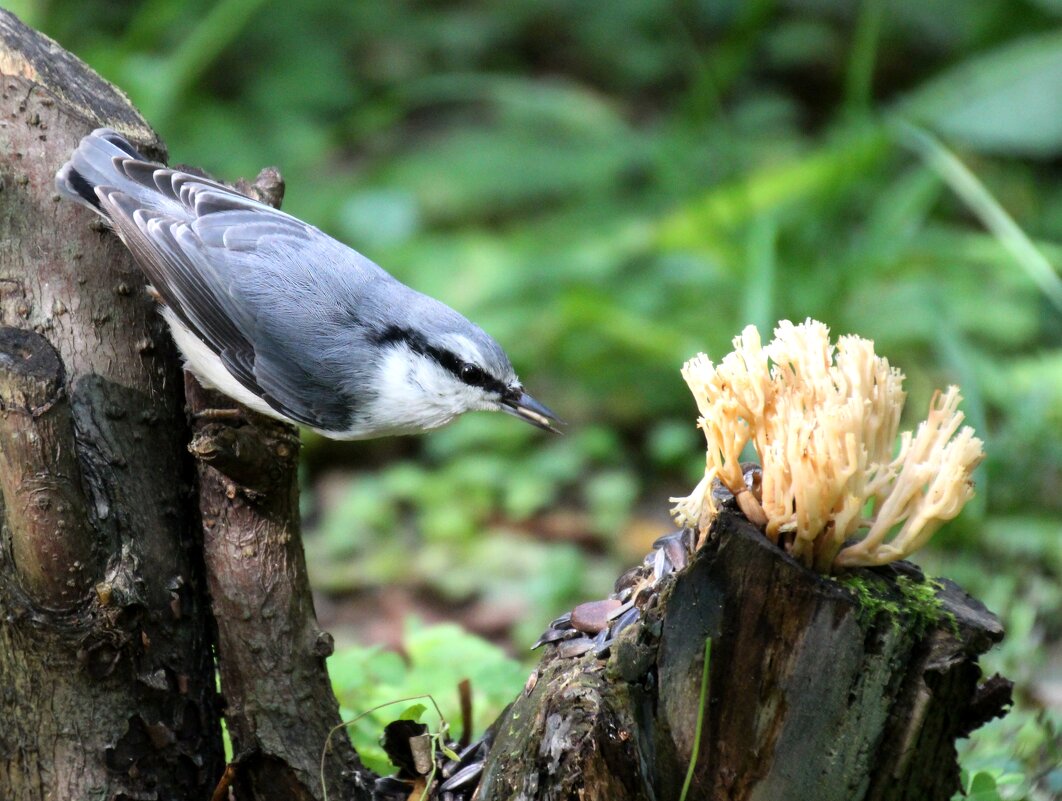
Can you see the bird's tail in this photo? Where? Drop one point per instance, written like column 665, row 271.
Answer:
column 92, row 165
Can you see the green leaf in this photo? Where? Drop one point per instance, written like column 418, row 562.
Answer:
column 983, row 788
column 1007, row 101
column 413, row 713
column 840, row 163
column 982, row 782
column 609, row 496
column 1050, row 6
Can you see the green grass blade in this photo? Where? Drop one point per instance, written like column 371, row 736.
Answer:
column 984, row 206
column 700, row 719
column 215, row 32
column 859, row 82
column 758, row 292
column 843, row 162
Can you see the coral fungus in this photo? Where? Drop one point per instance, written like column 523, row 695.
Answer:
column 823, row 419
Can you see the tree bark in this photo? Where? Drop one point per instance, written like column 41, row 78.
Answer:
column 279, row 704
column 104, row 583
column 105, row 644
column 810, row 695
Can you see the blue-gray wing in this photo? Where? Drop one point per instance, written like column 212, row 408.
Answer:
column 276, row 299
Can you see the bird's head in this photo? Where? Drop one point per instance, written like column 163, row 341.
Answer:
column 428, row 375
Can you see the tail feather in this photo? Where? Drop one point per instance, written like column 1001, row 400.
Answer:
column 92, row 165
column 73, row 185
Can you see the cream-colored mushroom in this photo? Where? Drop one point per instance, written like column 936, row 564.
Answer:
column 824, row 420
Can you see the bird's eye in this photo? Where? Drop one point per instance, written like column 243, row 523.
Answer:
column 471, row 374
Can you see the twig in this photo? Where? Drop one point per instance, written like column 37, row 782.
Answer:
column 443, row 727
column 464, row 691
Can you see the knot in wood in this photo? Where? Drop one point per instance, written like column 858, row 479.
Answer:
column 31, row 373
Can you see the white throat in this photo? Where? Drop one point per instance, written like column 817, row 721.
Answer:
column 415, row 393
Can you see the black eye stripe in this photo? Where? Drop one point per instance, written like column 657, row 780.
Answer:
column 447, row 359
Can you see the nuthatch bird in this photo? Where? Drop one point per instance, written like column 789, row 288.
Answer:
column 283, row 318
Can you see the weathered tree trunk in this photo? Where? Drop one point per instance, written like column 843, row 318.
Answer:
column 105, row 646
column 107, row 637
column 810, row 694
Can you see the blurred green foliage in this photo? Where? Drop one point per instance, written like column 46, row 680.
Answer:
column 436, row 657
column 609, row 188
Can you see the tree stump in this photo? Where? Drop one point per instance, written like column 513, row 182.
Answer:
column 812, row 692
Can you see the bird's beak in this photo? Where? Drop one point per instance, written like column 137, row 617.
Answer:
column 520, row 404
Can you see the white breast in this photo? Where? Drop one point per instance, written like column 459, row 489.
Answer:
column 209, row 369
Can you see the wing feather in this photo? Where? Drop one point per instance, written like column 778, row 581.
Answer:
column 196, row 241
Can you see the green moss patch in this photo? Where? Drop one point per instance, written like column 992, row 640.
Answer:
column 902, row 601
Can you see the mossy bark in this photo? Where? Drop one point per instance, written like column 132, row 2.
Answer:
column 806, row 698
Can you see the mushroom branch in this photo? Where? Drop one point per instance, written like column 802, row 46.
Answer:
column 824, row 419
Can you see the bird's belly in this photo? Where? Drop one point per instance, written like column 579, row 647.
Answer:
column 378, row 423
column 209, row 369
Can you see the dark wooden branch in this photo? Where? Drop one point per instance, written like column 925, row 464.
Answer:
column 113, row 696
column 279, row 702
column 242, row 454
column 280, row 706
column 52, row 544
column 807, row 698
